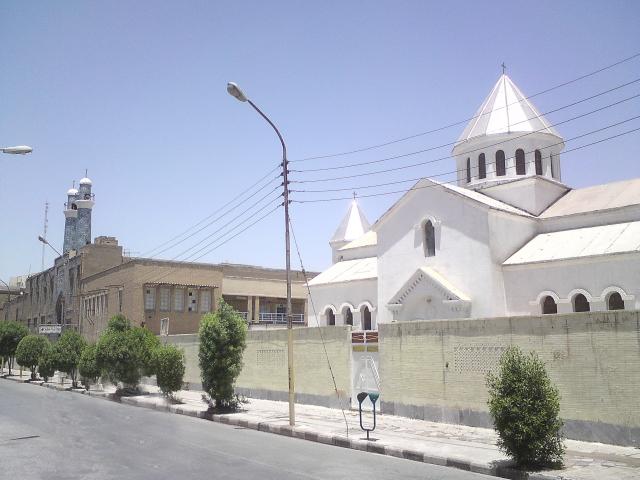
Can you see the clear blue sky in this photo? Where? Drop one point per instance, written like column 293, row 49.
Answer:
column 135, row 92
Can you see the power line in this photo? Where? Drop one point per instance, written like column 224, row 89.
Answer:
column 148, row 252
column 391, row 142
column 403, row 167
column 456, row 171
column 449, row 144
column 315, row 314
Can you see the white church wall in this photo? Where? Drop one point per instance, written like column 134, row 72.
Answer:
column 463, row 254
column 592, row 276
column 338, row 295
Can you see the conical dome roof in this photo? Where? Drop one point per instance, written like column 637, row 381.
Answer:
column 352, row 226
column 506, row 110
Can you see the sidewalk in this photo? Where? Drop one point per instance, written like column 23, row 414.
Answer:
column 457, row 446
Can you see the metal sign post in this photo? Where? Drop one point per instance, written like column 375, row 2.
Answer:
column 361, row 398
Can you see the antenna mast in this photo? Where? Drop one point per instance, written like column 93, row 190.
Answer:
column 44, row 232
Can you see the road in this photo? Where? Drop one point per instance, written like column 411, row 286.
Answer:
column 46, row 434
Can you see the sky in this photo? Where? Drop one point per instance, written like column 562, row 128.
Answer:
column 135, row 92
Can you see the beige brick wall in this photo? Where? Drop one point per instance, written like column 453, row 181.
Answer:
column 436, row 370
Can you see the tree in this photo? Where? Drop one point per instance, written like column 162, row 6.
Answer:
column 222, row 342
column 124, row 353
column 525, row 407
column 67, row 351
column 47, row 363
column 87, row 366
column 169, row 366
column 29, row 351
column 11, row 333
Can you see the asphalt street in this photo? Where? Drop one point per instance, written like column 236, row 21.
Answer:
column 46, row 434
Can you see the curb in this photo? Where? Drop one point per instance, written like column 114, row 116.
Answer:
column 303, row 434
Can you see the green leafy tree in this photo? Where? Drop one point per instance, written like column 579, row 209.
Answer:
column 29, row 351
column 222, row 342
column 88, row 367
column 169, row 366
column 67, row 352
column 124, row 353
column 47, row 363
column 525, row 407
column 11, row 333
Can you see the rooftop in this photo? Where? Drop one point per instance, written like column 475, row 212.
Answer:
column 352, row 226
column 348, row 270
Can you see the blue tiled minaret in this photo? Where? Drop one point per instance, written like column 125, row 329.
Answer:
column 70, row 220
column 85, row 205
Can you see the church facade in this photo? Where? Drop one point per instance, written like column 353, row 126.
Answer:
column 508, row 238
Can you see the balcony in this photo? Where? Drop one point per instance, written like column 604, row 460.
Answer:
column 281, row 318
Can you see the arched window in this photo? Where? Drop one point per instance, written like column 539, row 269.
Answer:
column 348, row 316
column 553, row 173
column 520, row 167
column 549, row 305
column 429, row 239
column 538, row 162
column 468, row 170
column 366, row 318
column 615, row 302
column 501, row 168
column 580, row 303
column 482, row 166
column 330, row 316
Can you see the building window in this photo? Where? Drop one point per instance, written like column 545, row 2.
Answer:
column 580, row 303
column 468, row 170
column 348, row 316
column 482, row 166
column 538, row 162
column 192, row 301
column 520, row 166
column 120, row 293
column 549, row 305
column 330, row 316
column 165, row 299
column 178, row 300
column 150, row 298
column 553, row 173
column 501, row 168
column 366, row 318
column 205, row 301
column 429, row 239
column 615, row 302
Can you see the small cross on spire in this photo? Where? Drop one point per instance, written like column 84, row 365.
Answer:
column 354, row 196
column 86, row 172
column 504, row 68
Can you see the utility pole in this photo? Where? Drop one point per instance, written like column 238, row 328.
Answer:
column 44, row 230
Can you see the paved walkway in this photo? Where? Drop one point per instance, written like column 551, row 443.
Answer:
column 458, row 446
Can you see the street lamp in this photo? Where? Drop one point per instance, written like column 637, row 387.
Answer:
column 235, row 92
column 18, row 150
column 46, row 242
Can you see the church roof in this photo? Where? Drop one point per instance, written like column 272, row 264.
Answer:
column 506, row 110
column 352, row 226
column 369, row 239
column 579, row 243
column 347, row 271
column 596, row 198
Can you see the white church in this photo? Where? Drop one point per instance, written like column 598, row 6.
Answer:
column 509, row 239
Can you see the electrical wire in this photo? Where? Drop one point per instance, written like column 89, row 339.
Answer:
column 440, row 159
column 449, row 144
column 455, row 180
column 391, row 142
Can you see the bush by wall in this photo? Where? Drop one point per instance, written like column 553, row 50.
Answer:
column 47, row 363
column 88, row 367
column 222, row 342
column 11, row 333
column 29, row 351
column 525, row 407
column 67, row 352
column 169, row 367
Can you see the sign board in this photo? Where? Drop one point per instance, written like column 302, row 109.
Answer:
column 46, row 329
column 164, row 327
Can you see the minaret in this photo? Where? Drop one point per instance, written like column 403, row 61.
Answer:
column 85, row 205
column 70, row 220
column 353, row 225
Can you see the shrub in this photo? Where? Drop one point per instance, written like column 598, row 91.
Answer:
column 11, row 333
column 222, row 342
column 124, row 353
column 47, row 363
column 67, row 352
column 169, row 366
column 525, row 406
column 88, row 367
column 29, row 351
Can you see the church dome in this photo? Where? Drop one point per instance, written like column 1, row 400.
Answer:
column 72, row 191
column 85, row 181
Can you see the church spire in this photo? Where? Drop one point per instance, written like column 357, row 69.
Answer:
column 353, row 225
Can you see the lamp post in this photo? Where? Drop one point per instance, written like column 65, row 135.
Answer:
column 235, row 92
column 18, row 150
column 46, row 242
